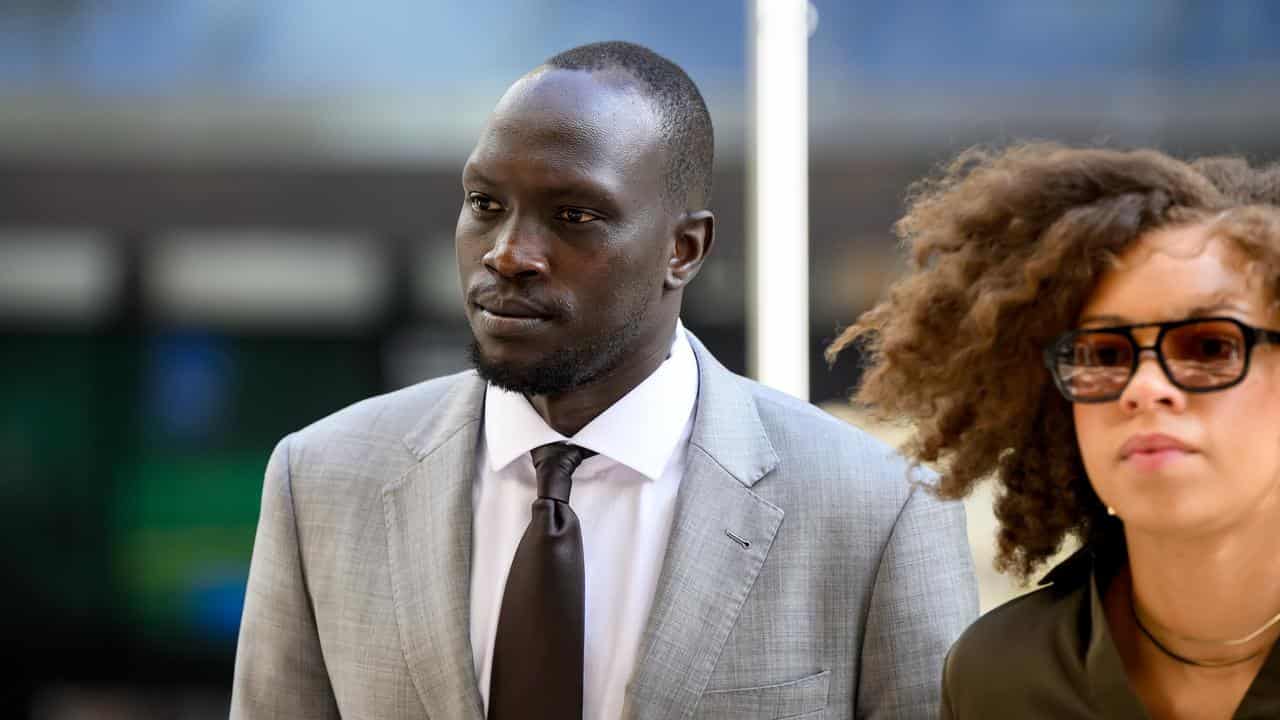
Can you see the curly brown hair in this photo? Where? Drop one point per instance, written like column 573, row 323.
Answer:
column 1005, row 247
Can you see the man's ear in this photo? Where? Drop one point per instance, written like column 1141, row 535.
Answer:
column 694, row 234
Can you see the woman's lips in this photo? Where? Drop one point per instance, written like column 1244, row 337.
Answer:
column 1155, row 459
column 1153, row 451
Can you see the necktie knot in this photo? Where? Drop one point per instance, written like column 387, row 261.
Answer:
column 554, row 464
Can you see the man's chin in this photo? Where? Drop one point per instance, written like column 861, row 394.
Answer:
column 528, row 377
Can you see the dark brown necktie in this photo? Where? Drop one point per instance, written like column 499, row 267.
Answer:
column 537, row 652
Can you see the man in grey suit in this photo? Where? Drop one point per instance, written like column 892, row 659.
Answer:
column 727, row 551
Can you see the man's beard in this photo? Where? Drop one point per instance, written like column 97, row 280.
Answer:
column 566, row 368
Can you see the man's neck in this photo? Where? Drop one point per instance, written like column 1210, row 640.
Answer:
column 569, row 412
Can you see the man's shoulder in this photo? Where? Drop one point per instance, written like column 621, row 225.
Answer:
column 797, row 427
column 822, row 461
column 392, row 411
column 387, row 421
column 790, row 414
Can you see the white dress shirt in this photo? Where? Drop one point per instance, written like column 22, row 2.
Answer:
column 624, row 498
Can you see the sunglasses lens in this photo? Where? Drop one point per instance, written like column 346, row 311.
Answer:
column 1094, row 365
column 1205, row 355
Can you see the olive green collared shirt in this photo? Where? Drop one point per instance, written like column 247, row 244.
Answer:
column 1049, row 654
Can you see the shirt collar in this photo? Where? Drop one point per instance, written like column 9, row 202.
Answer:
column 1102, row 661
column 641, row 430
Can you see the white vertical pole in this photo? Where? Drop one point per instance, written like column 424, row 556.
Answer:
column 778, row 195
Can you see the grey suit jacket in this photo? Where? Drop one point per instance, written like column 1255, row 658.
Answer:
column 849, row 586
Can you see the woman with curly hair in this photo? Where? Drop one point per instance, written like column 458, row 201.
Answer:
column 1099, row 332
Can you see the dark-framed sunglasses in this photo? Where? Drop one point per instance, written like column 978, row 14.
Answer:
column 1198, row 355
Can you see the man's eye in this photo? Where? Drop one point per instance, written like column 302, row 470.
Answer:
column 483, row 203
column 577, row 216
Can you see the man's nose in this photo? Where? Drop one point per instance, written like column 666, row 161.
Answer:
column 519, row 252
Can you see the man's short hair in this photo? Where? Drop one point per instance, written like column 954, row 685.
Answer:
column 686, row 124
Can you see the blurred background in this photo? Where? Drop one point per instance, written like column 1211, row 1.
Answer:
column 221, row 220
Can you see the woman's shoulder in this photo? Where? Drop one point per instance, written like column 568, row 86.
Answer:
column 1026, row 624
column 1032, row 646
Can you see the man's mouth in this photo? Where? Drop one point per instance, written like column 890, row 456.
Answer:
column 508, row 310
column 508, row 317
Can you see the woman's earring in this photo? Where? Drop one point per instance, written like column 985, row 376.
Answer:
column 1111, row 510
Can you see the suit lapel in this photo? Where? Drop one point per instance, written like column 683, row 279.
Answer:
column 720, row 537
column 428, row 517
